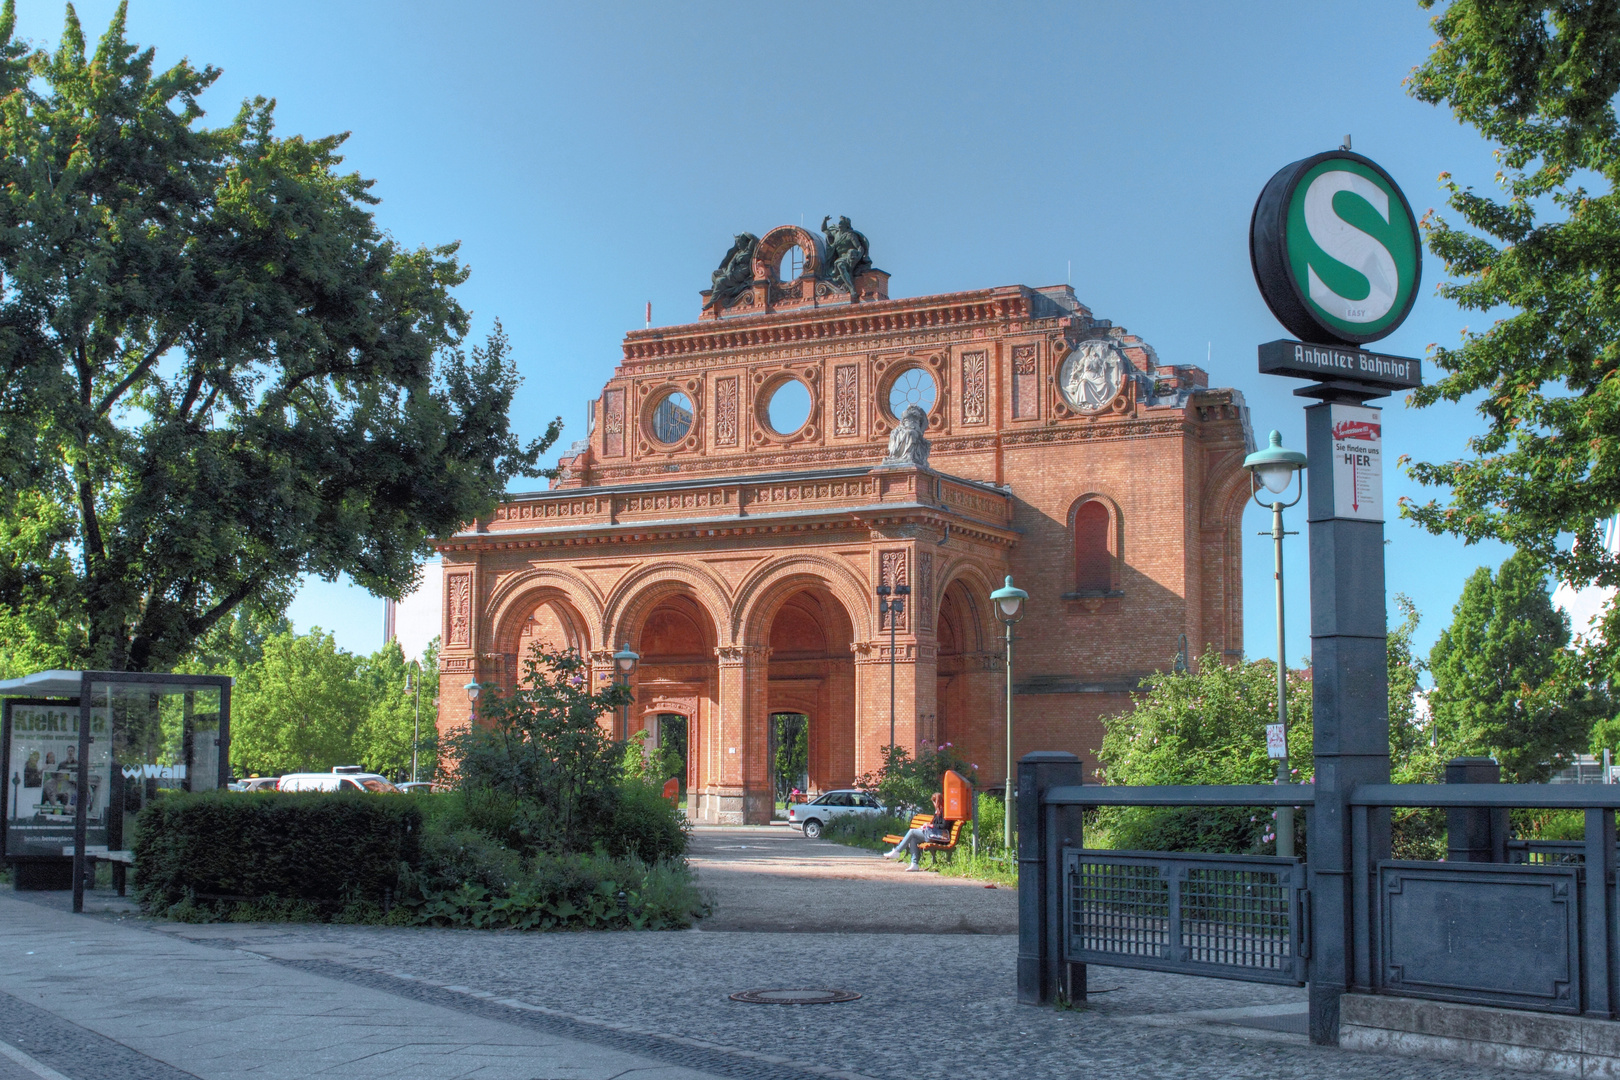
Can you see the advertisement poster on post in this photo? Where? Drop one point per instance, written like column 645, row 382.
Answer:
column 1358, row 463
column 43, row 790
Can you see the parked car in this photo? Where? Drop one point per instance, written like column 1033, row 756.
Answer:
column 256, row 783
column 342, row 778
column 418, row 787
column 811, row 816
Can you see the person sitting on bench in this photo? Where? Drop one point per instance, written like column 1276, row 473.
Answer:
column 937, row 831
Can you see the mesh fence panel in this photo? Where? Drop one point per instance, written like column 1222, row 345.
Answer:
column 1121, row 908
column 1228, row 916
column 1238, row 918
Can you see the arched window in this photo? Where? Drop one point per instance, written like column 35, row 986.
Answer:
column 1093, row 562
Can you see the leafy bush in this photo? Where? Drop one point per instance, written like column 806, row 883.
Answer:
column 1207, row 727
column 545, row 748
column 552, row 892
column 645, row 825
column 325, row 851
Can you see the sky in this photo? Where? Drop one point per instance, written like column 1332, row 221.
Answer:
column 592, row 158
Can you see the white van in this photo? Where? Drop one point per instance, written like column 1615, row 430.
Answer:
column 341, row 778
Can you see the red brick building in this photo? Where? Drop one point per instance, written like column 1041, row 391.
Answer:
column 740, row 560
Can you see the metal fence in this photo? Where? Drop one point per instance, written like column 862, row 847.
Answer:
column 1231, row 916
column 1528, row 925
column 1546, row 852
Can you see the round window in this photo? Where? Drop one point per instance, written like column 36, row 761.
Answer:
column 672, row 418
column 792, row 264
column 789, row 407
column 913, row 386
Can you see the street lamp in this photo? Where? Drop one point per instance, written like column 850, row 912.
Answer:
column 1009, row 609
column 413, row 685
column 624, row 664
column 1274, row 469
column 893, row 608
column 472, row 699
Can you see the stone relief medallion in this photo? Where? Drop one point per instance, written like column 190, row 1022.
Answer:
column 1090, row 377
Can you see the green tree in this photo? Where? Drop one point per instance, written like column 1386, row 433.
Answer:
column 1505, row 685
column 216, row 372
column 300, row 708
column 1539, row 81
column 383, row 741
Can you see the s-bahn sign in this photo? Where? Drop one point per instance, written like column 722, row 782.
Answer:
column 1335, row 249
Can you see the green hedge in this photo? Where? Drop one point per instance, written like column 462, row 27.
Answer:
column 325, row 851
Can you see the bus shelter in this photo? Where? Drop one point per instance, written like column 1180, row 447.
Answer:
column 82, row 751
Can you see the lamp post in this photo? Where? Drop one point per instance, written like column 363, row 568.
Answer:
column 624, row 664
column 1274, row 469
column 1009, row 609
column 413, row 685
column 894, row 609
column 472, row 699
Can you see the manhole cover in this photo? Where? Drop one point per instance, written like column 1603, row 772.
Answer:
column 795, row 997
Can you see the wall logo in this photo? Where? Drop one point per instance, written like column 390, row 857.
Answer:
column 1335, row 249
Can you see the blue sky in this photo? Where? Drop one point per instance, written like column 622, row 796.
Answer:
column 594, row 157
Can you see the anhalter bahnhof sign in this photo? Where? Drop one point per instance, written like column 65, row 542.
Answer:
column 1309, row 361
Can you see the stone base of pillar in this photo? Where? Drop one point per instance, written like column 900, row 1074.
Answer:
column 728, row 805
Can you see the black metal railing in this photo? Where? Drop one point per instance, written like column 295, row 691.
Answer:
column 1529, row 925
column 1231, row 916
column 1537, row 934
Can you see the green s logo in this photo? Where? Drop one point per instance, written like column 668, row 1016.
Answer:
column 1335, row 249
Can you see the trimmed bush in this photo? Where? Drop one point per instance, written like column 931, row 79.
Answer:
column 321, row 852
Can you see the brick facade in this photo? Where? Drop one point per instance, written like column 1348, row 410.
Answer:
column 740, row 562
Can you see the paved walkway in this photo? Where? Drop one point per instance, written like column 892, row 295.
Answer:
column 115, row 996
column 771, row 879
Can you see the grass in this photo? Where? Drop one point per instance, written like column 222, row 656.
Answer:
column 991, row 864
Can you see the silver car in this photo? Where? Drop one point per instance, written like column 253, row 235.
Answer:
column 811, row 816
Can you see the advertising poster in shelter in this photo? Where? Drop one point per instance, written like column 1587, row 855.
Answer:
column 43, row 785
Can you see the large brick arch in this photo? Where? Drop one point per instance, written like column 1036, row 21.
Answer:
column 517, row 597
column 639, row 592
column 977, row 585
column 770, row 585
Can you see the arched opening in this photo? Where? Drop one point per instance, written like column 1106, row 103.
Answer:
column 812, row 675
column 675, row 682
column 551, row 623
column 790, row 755
column 969, row 677
column 1093, row 555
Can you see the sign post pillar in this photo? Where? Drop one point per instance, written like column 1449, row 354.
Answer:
column 1338, row 259
column 1350, row 689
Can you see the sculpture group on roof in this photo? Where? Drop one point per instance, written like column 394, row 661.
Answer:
column 846, row 256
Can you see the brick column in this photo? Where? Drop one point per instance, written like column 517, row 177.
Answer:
column 916, row 690
column 740, row 790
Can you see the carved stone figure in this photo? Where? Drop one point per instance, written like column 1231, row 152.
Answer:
column 907, row 446
column 848, row 253
column 1091, row 375
column 736, row 272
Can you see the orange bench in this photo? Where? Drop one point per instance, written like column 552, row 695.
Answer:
column 918, row 821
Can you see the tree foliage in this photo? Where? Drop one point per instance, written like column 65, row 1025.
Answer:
column 1539, row 81
column 302, row 704
column 1505, row 683
column 216, row 371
